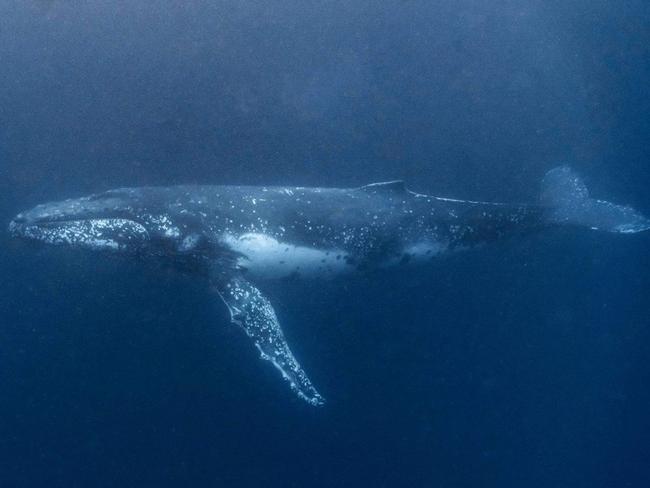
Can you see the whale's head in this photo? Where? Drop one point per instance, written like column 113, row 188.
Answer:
column 123, row 220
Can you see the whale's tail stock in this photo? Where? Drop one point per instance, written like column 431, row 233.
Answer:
column 567, row 198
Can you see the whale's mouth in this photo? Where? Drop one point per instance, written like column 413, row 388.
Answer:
column 95, row 233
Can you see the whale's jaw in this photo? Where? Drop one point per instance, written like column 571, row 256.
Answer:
column 97, row 234
column 98, row 223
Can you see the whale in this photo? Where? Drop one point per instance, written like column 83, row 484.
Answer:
column 239, row 238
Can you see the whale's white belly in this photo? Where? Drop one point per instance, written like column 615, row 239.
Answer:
column 265, row 257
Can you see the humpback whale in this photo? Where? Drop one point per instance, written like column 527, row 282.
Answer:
column 239, row 236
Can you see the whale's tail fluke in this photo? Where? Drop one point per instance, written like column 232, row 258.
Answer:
column 567, row 198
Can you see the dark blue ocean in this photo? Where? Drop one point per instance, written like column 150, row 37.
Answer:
column 525, row 363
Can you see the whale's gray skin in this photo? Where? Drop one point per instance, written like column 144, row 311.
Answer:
column 237, row 235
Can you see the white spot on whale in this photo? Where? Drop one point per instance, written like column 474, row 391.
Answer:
column 417, row 253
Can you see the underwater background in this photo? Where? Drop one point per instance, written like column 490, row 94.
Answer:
column 525, row 363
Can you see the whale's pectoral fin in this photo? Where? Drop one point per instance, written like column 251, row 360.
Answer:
column 254, row 313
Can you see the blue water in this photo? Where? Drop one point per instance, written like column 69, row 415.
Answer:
column 525, row 363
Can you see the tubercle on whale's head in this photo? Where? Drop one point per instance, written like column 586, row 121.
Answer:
column 123, row 220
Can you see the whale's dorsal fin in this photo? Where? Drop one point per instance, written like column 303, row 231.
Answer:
column 396, row 186
column 253, row 312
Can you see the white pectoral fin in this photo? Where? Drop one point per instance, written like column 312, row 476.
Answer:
column 253, row 312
